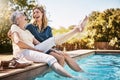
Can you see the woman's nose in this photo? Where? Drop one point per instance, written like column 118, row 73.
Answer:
column 35, row 14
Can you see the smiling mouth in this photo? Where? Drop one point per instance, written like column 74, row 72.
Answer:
column 36, row 17
column 26, row 19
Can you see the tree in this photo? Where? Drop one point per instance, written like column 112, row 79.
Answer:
column 105, row 26
column 6, row 8
column 5, row 43
column 23, row 5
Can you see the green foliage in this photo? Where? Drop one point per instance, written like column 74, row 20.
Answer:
column 23, row 5
column 5, row 43
column 105, row 26
column 6, row 8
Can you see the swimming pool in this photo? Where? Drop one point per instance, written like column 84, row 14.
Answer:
column 96, row 67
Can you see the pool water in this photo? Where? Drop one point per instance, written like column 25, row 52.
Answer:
column 96, row 67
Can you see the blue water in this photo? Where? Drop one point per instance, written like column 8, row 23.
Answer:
column 96, row 67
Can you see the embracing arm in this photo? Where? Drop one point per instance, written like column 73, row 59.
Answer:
column 9, row 34
column 16, row 38
column 35, row 41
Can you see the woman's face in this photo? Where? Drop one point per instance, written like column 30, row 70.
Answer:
column 37, row 14
column 22, row 19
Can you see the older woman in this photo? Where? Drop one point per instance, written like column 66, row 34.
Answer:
column 26, row 47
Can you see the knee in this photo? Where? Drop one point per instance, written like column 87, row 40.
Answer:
column 51, row 60
column 63, row 54
column 58, row 56
column 61, row 57
column 51, row 57
column 66, row 55
column 61, row 60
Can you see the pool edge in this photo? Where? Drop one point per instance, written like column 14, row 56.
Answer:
column 40, row 68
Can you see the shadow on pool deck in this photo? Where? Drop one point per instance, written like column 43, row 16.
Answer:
column 35, row 69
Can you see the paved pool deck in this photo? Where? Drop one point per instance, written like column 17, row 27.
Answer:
column 35, row 69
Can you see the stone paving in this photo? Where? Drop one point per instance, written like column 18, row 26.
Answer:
column 37, row 68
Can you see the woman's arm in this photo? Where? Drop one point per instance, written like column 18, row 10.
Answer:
column 9, row 34
column 16, row 38
column 35, row 41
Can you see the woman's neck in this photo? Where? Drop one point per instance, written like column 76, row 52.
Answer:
column 22, row 26
column 39, row 24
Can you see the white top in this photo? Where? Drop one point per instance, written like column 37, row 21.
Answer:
column 25, row 36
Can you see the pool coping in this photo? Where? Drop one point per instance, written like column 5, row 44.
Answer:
column 36, row 69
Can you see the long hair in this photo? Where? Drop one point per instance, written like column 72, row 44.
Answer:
column 44, row 18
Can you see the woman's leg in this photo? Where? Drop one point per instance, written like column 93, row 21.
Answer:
column 60, row 70
column 53, row 41
column 50, row 60
column 64, row 37
column 60, row 58
column 71, row 62
column 57, row 40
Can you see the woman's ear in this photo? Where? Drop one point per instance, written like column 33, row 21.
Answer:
column 17, row 21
